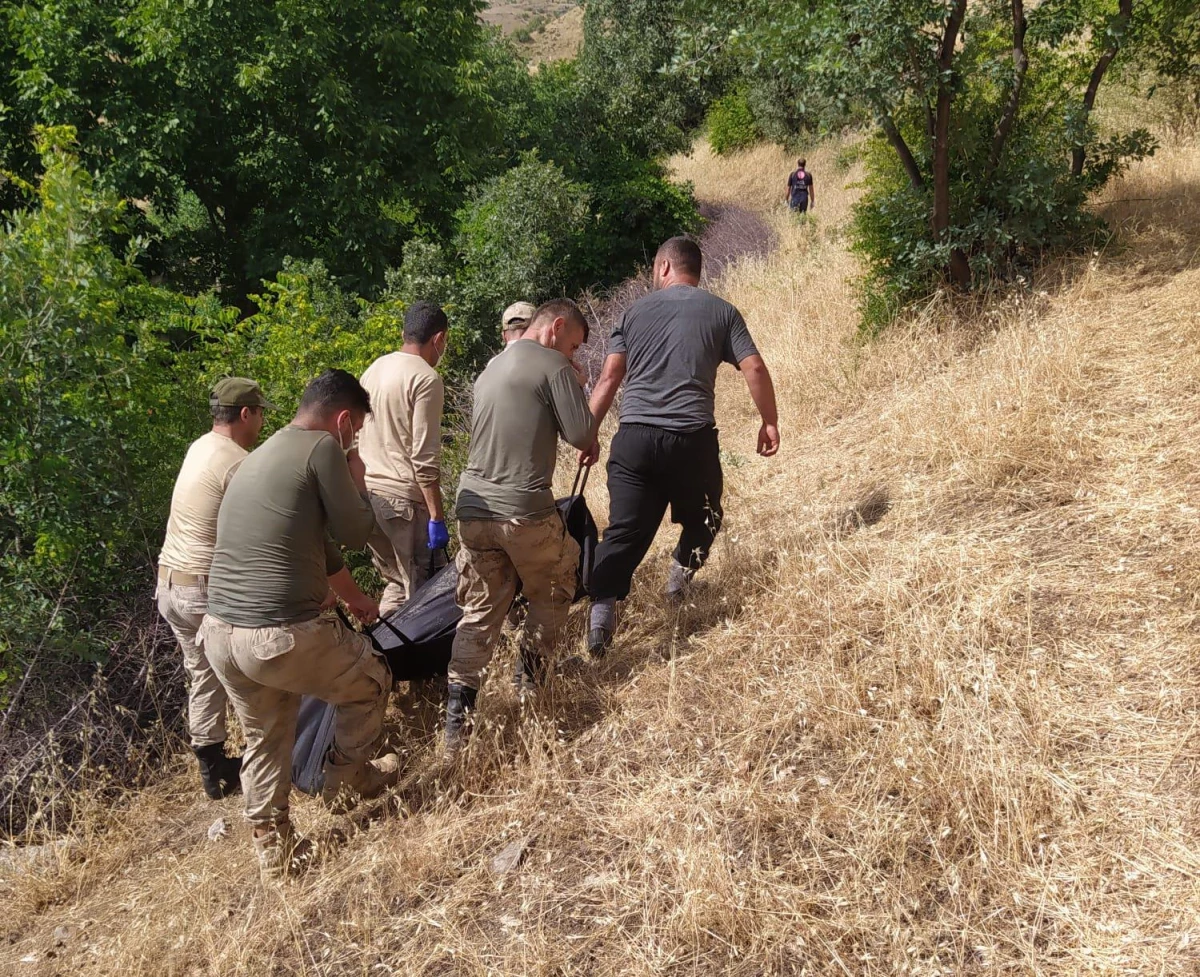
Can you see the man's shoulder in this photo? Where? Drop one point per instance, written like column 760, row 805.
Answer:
column 213, row 450
column 395, row 367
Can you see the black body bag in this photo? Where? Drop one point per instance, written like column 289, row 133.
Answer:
column 416, row 639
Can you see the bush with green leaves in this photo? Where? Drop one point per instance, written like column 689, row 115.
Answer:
column 91, row 418
column 534, row 233
column 730, row 123
column 1012, row 191
column 304, row 325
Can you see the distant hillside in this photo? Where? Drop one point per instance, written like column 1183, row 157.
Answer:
column 545, row 30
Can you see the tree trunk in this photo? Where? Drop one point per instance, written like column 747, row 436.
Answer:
column 907, row 160
column 1124, row 12
column 1020, row 67
column 959, row 269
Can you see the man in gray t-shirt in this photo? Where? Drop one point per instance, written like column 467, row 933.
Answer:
column 509, row 530
column 667, row 349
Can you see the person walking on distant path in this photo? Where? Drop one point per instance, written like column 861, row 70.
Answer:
column 800, row 194
column 509, row 529
column 667, row 349
column 401, row 447
column 237, row 406
column 270, row 632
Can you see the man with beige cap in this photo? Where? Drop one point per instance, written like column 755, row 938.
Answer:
column 237, row 406
column 515, row 321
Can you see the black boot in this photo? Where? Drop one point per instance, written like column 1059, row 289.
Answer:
column 460, row 709
column 218, row 773
column 599, row 641
column 530, row 670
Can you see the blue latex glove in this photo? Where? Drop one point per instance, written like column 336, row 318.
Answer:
column 439, row 535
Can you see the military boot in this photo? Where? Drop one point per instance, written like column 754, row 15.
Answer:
column 280, row 852
column 219, row 774
column 345, row 783
column 530, row 670
column 460, row 717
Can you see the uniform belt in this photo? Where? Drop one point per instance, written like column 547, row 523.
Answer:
column 174, row 578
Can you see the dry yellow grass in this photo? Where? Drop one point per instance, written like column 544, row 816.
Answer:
column 961, row 741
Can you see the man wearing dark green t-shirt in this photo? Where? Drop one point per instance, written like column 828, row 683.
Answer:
column 509, row 529
column 276, row 568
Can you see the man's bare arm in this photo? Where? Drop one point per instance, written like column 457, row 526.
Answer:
column 606, row 388
column 361, row 606
column 603, row 395
column 433, row 500
column 762, row 392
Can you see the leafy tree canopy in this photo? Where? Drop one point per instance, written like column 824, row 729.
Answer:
column 297, row 127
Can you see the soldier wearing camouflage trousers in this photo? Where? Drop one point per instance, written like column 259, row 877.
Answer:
column 509, row 529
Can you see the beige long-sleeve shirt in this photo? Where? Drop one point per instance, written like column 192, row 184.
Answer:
column 401, row 442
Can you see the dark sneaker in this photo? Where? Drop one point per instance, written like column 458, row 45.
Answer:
column 599, row 641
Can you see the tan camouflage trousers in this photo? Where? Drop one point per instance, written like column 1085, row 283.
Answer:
column 400, row 548
column 183, row 608
column 267, row 670
column 494, row 554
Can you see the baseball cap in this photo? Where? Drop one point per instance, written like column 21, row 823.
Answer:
column 238, row 392
column 517, row 314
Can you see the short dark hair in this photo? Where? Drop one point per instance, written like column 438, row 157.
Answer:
column 423, row 321
column 332, row 392
column 683, row 253
column 801, row 162
column 225, row 415
column 561, row 308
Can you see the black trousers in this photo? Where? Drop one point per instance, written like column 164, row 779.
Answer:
column 650, row 468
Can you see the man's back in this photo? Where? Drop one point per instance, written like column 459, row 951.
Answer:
column 274, row 553
column 400, row 441
column 524, row 399
column 674, row 339
column 799, row 184
column 192, row 527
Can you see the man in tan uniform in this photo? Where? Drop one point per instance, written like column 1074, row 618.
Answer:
column 401, row 447
column 509, row 529
column 237, row 406
column 270, row 633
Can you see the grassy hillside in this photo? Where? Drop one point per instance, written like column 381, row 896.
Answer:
column 545, row 30
column 933, row 710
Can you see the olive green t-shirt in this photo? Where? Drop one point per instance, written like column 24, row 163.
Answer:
column 285, row 511
column 526, row 398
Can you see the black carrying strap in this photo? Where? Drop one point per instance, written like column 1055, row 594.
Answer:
column 433, row 564
column 581, row 477
column 350, row 627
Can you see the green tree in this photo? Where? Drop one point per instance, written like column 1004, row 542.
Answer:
column 986, row 109
column 298, row 127
column 88, row 413
column 628, row 45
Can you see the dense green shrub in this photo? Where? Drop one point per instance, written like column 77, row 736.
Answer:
column 534, row 233
column 304, row 325
column 730, row 123
column 90, row 417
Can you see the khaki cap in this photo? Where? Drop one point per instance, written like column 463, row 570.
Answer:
column 238, row 392
column 517, row 314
